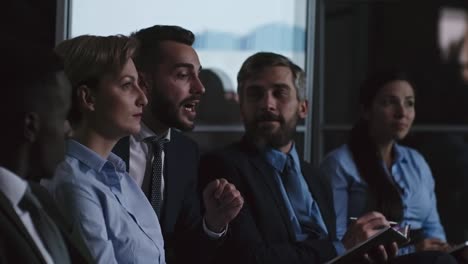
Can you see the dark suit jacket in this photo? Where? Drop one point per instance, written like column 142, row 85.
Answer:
column 17, row 246
column 262, row 232
column 181, row 221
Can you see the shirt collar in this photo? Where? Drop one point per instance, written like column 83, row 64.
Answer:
column 85, row 155
column 118, row 162
column 278, row 159
column 146, row 132
column 399, row 154
column 97, row 163
column 12, row 186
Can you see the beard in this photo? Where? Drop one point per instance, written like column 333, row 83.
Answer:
column 168, row 113
column 266, row 136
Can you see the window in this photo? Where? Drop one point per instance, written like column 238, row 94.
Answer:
column 227, row 32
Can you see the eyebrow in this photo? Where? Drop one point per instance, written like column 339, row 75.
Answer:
column 186, row 65
column 282, row 85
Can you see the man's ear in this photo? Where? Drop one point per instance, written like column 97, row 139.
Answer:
column 31, row 127
column 303, row 108
column 86, row 99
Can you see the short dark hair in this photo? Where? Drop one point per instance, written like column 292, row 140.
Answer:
column 148, row 54
column 261, row 60
column 88, row 59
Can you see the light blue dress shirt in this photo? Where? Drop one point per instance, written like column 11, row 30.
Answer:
column 297, row 212
column 409, row 171
column 106, row 207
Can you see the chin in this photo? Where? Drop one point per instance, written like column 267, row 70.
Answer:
column 184, row 125
column 132, row 130
column 400, row 136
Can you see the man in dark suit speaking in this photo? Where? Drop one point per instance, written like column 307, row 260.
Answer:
column 288, row 214
column 163, row 161
column 34, row 104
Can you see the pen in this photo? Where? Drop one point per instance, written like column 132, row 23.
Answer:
column 392, row 223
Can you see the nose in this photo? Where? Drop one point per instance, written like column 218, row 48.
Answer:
column 142, row 100
column 197, row 87
column 268, row 101
column 400, row 111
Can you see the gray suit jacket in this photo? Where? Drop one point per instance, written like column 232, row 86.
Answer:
column 17, row 246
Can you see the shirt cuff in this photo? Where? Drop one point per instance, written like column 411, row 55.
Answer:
column 339, row 247
column 211, row 234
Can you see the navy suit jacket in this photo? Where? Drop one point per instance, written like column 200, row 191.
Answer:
column 17, row 246
column 262, row 232
column 181, row 221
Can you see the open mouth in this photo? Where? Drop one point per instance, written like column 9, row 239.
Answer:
column 191, row 106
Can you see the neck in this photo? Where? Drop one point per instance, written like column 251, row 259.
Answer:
column 262, row 144
column 384, row 147
column 385, row 151
column 95, row 141
column 286, row 148
column 17, row 162
column 153, row 123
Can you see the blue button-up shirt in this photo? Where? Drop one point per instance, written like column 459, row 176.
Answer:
column 409, row 171
column 106, row 207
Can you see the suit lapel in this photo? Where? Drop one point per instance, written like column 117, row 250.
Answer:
column 315, row 187
column 8, row 211
column 172, row 172
column 266, row 179
column 75, row 243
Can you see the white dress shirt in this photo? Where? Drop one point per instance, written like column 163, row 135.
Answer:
column 139, row 165
column 14, row 188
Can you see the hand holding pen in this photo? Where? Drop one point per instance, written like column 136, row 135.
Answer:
column 395, row 225
column 363, row 228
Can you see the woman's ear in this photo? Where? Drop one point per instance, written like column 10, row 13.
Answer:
column 86, row 98
column 31, row 126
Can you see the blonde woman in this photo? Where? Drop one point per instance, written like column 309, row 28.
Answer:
column 92, row 186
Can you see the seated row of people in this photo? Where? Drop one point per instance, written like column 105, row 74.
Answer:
column 288, row 214
column 254, row 201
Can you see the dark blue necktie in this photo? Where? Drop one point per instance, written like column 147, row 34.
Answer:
column 306, row 209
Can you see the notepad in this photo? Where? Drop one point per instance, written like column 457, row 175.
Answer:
column 384, row 237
